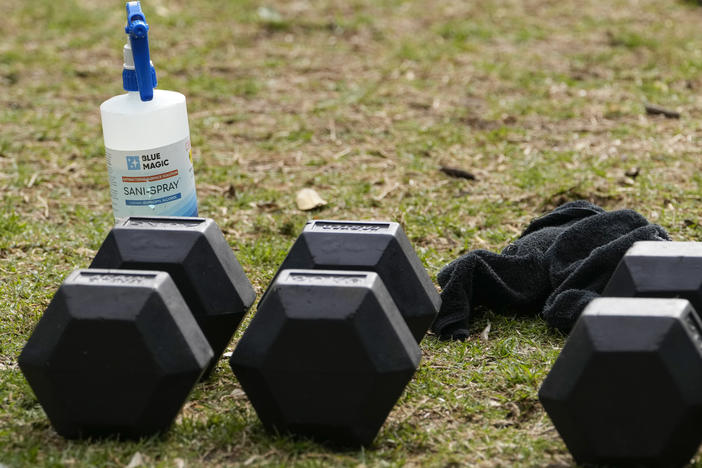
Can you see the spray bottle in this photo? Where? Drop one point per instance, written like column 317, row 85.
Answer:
column 147, row 137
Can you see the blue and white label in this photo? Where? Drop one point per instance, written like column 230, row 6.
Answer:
column 155, row 182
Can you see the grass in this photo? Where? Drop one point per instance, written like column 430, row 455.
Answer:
column 363, row 101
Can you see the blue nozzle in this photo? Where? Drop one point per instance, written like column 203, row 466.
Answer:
column 143, row 77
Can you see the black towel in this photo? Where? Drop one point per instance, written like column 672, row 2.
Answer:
column 559, row 263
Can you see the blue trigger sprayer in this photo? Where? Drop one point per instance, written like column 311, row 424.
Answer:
column 142, row 68
column 147, row 137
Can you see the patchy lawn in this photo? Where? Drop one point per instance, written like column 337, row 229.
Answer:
column 364, row 101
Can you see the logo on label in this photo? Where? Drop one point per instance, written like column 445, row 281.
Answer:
column 133, row 163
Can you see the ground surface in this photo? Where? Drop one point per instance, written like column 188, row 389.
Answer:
column 362, row 100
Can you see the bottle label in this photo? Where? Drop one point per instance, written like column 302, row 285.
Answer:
column 155, row 182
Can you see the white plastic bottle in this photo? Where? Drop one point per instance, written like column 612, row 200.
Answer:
column 147, row 137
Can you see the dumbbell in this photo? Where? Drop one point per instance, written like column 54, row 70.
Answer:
column 196, row 255
column 326, row 356
column 116, row 353
column 381, row 247
column 627, row 387
column 648, row 269
column 659, row 269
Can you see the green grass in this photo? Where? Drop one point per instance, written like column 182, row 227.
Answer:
column 363, row 101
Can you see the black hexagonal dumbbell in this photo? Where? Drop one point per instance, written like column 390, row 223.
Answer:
column 381, row 247
column 627, row 386
column 116, row 353
column 326, row 356
column 196, row 255
column 659, row 269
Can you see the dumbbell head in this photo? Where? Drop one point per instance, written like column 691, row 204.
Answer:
column 326, row 356
column 196, row 255
column 660, row 269
column 116, row 353
column 381, row 247
column 627, row 386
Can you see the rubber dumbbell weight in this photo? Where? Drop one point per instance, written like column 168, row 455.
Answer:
column 659, row 269
column 326, row 356
column 378, row 246
column 626, row 390
column 196, row 255
column 116, row 353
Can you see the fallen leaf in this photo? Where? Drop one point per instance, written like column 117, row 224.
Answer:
column 456, row 172
column 486, row 331
column 633, row 172
column 626, row 181
column 514, row 410
column 386, row 191
column 269, row 15
column 137, row 460
column 308, row 199
column 267, row 206
column 85, row 252
column 655, row 110
column 237, row 394
column 32, row 180
column 251, row 459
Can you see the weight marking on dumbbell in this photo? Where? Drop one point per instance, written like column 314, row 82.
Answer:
column 369, row 227
column 316, row 278
column 114, row 278
column 150, row 222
